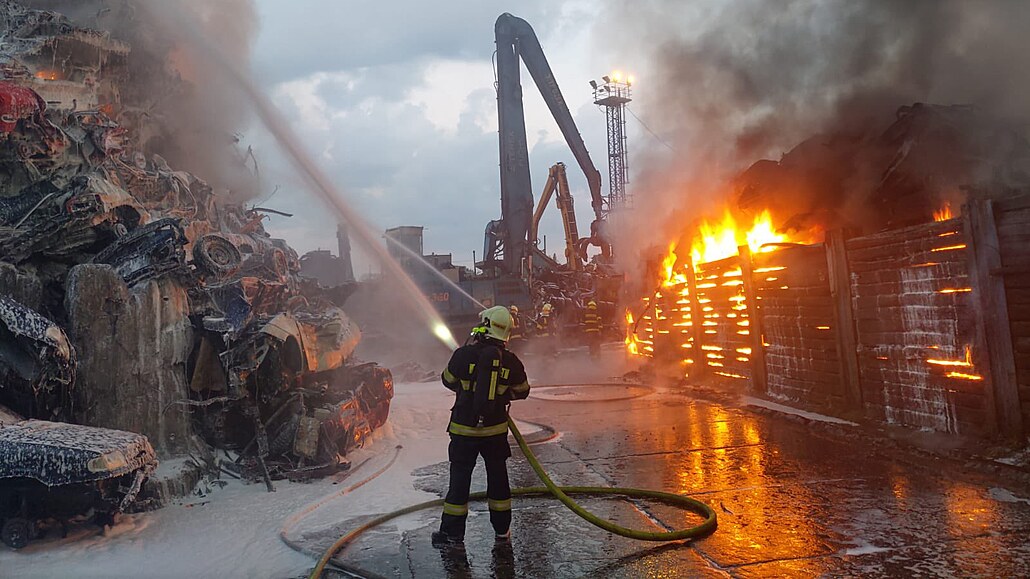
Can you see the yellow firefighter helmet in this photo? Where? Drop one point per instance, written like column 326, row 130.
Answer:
column 497, row 322
column 546, row 309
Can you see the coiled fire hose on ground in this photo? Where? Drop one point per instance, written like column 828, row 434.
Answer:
column 562, row 494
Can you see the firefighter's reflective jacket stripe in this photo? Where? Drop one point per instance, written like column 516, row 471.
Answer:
column 449, row 379
column 456, row 510
column 499, row 505
column 478, row 431
column 591, row 320
column 493, row 379
column 485, row 377
column 543, row 326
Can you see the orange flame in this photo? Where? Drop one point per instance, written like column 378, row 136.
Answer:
column 944, row 213
column 632, row 341
column 967, row 363
column 720, row 240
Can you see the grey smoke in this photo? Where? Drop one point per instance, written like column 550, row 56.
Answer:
column 193, row 123
column 730, row 82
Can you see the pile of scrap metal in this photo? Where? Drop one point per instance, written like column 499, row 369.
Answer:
column 568, row 292
column 270, row 370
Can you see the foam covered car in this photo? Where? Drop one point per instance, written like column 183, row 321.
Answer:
column 54, row 471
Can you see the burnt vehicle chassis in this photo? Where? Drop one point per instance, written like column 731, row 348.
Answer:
column 284, row 395
column 58, row 471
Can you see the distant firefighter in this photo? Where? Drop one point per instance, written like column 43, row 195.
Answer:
column 592, row 328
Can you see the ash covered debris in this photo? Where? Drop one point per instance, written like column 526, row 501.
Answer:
column 59, row 471
column 140, row 296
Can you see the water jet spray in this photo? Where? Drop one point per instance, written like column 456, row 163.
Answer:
column 301, row 160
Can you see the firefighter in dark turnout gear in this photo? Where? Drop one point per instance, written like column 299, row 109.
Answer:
column 592, row 328
column 485, row 378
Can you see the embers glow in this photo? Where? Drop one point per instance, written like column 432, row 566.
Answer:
column 955, row 290
column 962, row 376
column 950, row 247
column 944, row 213
column 967, row 363
column 730, row 375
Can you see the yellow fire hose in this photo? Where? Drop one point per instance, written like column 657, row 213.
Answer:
column 562, row 494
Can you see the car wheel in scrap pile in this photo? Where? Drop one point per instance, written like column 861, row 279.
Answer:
column 377, row 393
column 103, row 519
column 277, row 261
column 282, row 442
column 217, row 256
column 16, row 533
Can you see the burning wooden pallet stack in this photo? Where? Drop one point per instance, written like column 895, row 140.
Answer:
column 916, row 316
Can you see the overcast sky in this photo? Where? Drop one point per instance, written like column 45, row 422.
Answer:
column 397, row 100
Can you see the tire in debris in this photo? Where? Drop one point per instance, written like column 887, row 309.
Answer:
column 217, row 256
column 282, row 442
column 278, row 263
column 16, row 532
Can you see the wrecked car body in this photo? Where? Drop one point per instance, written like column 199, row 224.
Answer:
column 54, row 470
column 293, row 406
column 55, row 222
column 37, row 362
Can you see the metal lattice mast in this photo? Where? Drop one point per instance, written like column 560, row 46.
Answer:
column 614, row 95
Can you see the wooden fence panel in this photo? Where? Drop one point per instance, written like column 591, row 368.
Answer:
column 1013, row 220
column 725, row 319
column 916, row 329
column 801, row 357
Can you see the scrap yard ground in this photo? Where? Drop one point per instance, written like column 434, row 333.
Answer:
column 790, row 503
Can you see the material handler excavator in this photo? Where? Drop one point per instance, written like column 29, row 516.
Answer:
column 511, row 244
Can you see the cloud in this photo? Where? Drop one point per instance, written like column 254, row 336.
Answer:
column 303, row 37
column 409, row 132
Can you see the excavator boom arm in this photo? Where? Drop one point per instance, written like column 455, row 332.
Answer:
column 516, row 40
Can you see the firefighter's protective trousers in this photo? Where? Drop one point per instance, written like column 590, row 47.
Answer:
column 463, row 453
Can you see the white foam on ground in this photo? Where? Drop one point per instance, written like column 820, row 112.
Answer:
column 750, row 401
column 1002, row 495
column 234, row 531
column 865, row 550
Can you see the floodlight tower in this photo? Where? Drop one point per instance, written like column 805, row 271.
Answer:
column 614, row 95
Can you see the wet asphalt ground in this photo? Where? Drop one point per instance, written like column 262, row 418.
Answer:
column 791, row 503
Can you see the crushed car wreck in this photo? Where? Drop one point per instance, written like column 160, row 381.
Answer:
column 136, row 296
column 58, row 471
column 37, row 362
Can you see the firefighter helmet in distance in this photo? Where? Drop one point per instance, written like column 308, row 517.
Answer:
column 546, row 309
column 514, row 309
column 497, row 321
